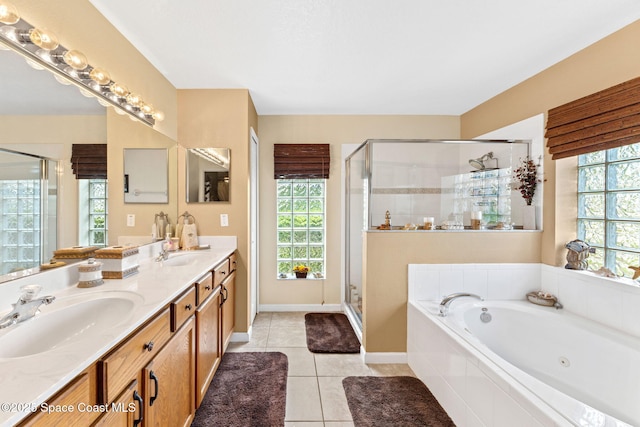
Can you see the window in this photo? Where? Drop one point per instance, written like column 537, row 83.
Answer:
column 93, row 213
column 20, row 224
column 609, row 207
column 300, row 225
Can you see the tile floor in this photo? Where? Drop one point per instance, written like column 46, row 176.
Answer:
column 315, row 396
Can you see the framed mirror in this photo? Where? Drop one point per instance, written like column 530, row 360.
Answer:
column 146, row 175
column 208, row 177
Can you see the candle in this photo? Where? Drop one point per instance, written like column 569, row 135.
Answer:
column 428, row 222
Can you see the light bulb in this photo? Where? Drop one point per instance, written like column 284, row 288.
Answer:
column 43, row 39
column 100, row 76
column 119, row 90
column 75, row 59
column 134, row 100
column 8, row 13
column 147, row 109
column 158, row 116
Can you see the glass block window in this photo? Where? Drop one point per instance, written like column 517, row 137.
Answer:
column 20, row 224
column 609, row 207
column 93, row 213
column 300, row 225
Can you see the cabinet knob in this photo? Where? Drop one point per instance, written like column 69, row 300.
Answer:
column 188, row 307
column 149, row 346
column 207, row 288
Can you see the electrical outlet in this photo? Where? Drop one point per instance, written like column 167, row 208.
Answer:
column 224, row 220
column 131, row 220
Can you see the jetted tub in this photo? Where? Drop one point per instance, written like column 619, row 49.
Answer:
column 557, row 367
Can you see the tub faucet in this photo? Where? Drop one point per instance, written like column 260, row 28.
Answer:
column 446, row 301
column 26, row 307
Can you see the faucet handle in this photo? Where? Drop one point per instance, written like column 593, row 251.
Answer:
column 29, row 292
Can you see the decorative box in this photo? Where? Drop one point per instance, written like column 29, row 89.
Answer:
column 118, row 262
column 90, row 274
column 75, row 253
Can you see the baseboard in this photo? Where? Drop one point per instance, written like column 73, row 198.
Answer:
column 301, row 307
column 386, row 358
column 241, row 336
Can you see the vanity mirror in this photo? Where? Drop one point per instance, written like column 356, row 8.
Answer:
column 208, row 177
column 41, row 117
column 146, row 175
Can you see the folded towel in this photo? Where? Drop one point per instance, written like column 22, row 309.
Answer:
column 189, row 238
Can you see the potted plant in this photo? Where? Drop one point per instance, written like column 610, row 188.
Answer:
column 526, row 177
column 301, row 271
column 526, row 180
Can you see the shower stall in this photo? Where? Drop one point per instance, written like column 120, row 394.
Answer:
column 401, row 185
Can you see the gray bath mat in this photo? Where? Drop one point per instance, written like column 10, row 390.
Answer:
column 248, row 389
column 330, row 333
column 393, row 401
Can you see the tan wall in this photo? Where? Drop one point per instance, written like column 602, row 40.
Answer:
column 334, row 130
column 221, row 118
column 608, row 62
column 58, row 134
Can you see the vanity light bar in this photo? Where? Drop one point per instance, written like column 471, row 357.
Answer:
column 70, row 65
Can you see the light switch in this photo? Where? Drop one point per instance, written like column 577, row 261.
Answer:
column 131, row 220
column 224, row 220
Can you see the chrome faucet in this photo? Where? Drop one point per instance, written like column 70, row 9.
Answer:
column 446, row 301
column 163, row 255
column 26, row 307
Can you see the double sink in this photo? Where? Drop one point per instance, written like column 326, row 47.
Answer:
column 70, row 319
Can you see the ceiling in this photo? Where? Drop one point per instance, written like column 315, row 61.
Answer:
column 362, row 56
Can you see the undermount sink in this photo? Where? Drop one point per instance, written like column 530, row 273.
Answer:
column 179, row 259
column 72, row 319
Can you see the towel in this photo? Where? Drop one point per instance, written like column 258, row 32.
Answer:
column 189, row 238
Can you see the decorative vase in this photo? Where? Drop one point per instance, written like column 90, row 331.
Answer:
column 301, row 275
column 529, row 217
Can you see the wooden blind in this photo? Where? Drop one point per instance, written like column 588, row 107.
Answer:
column 301, row 161
column 89, row 161
column 606, row 119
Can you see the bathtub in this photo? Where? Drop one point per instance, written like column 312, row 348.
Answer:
column 528, row 365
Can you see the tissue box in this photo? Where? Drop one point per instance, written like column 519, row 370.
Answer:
column 118, row 262
column 75, row 253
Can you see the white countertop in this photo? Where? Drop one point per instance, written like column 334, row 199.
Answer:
column 26, row 382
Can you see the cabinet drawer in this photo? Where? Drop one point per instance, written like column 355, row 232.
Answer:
column 220, row 272
column 205, row 288
column 183, row 308
column 129, row 358
column 233, row 262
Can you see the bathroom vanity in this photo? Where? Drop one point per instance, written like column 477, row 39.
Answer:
column 151, row 367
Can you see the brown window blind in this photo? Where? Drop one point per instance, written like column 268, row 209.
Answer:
column 301, row 161
column 89, row 161
column 606, row 119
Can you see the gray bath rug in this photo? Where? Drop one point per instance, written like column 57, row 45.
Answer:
column 330, row 333
column 393, row 401
column 248, row 390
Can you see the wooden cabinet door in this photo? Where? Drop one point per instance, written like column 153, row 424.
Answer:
column 169, row 381
column 79, row 396
column 126, row 411
column 208, row 343
column 228, row 309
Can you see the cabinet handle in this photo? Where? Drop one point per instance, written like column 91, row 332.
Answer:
column 137, row 398
column 223, row 273
column 188, row 307
column 154, row 378
column 148, row 346
column 207, row 288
